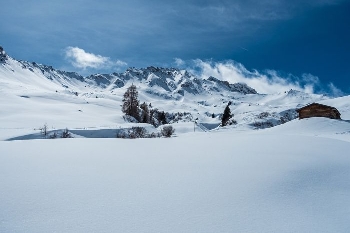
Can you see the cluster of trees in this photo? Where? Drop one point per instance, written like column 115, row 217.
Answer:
column 142, row 113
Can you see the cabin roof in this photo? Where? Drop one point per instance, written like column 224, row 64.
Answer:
column 318, row 105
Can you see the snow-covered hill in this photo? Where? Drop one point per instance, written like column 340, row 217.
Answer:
column 33, row 94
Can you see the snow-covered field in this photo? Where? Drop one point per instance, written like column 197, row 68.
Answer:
column 293, row 177
column 204, row 182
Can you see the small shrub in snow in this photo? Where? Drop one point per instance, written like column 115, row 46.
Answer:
column 122, row 134
column 263, row 115
column 288, row 115
column 134, row 132
column 53, row 136
column 262, row 124
column 155, row 135
column 167, row 131
column 66, row 134
column 138, row 132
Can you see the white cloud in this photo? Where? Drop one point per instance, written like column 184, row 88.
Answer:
column 311, row 81
column 179, row 62
column 334, row 91
column 121, row 63
column 268, row 82
column 81, row 59
column 309, row 78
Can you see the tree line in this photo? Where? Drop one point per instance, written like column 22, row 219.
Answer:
column 144, row 113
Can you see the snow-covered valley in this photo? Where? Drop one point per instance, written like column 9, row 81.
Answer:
column 246, row 177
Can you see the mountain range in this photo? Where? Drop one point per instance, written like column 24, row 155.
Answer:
column 97, row 98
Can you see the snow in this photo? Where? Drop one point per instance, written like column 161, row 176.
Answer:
column 220, row 182
column 294, row 177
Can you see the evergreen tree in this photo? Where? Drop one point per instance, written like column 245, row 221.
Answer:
column 131, row 102
column 227, row 115
column 145, row 117
column 162, row 118
column 153, row 118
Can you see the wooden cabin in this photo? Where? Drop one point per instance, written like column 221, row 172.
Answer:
column 318, row 110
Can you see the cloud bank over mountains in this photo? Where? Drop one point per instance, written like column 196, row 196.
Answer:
column 267, row 81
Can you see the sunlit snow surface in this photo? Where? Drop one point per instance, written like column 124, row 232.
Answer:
column 208, row 182
column 293, row 177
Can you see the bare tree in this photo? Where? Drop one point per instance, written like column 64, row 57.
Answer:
column 43, row 130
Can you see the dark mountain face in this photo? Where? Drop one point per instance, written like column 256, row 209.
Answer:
column 169, row 79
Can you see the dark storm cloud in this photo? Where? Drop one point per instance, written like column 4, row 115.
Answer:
column 127, row 21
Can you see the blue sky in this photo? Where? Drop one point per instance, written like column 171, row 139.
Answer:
column 303, row 43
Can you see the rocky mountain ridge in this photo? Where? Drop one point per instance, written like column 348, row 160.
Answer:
column 169, row 80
